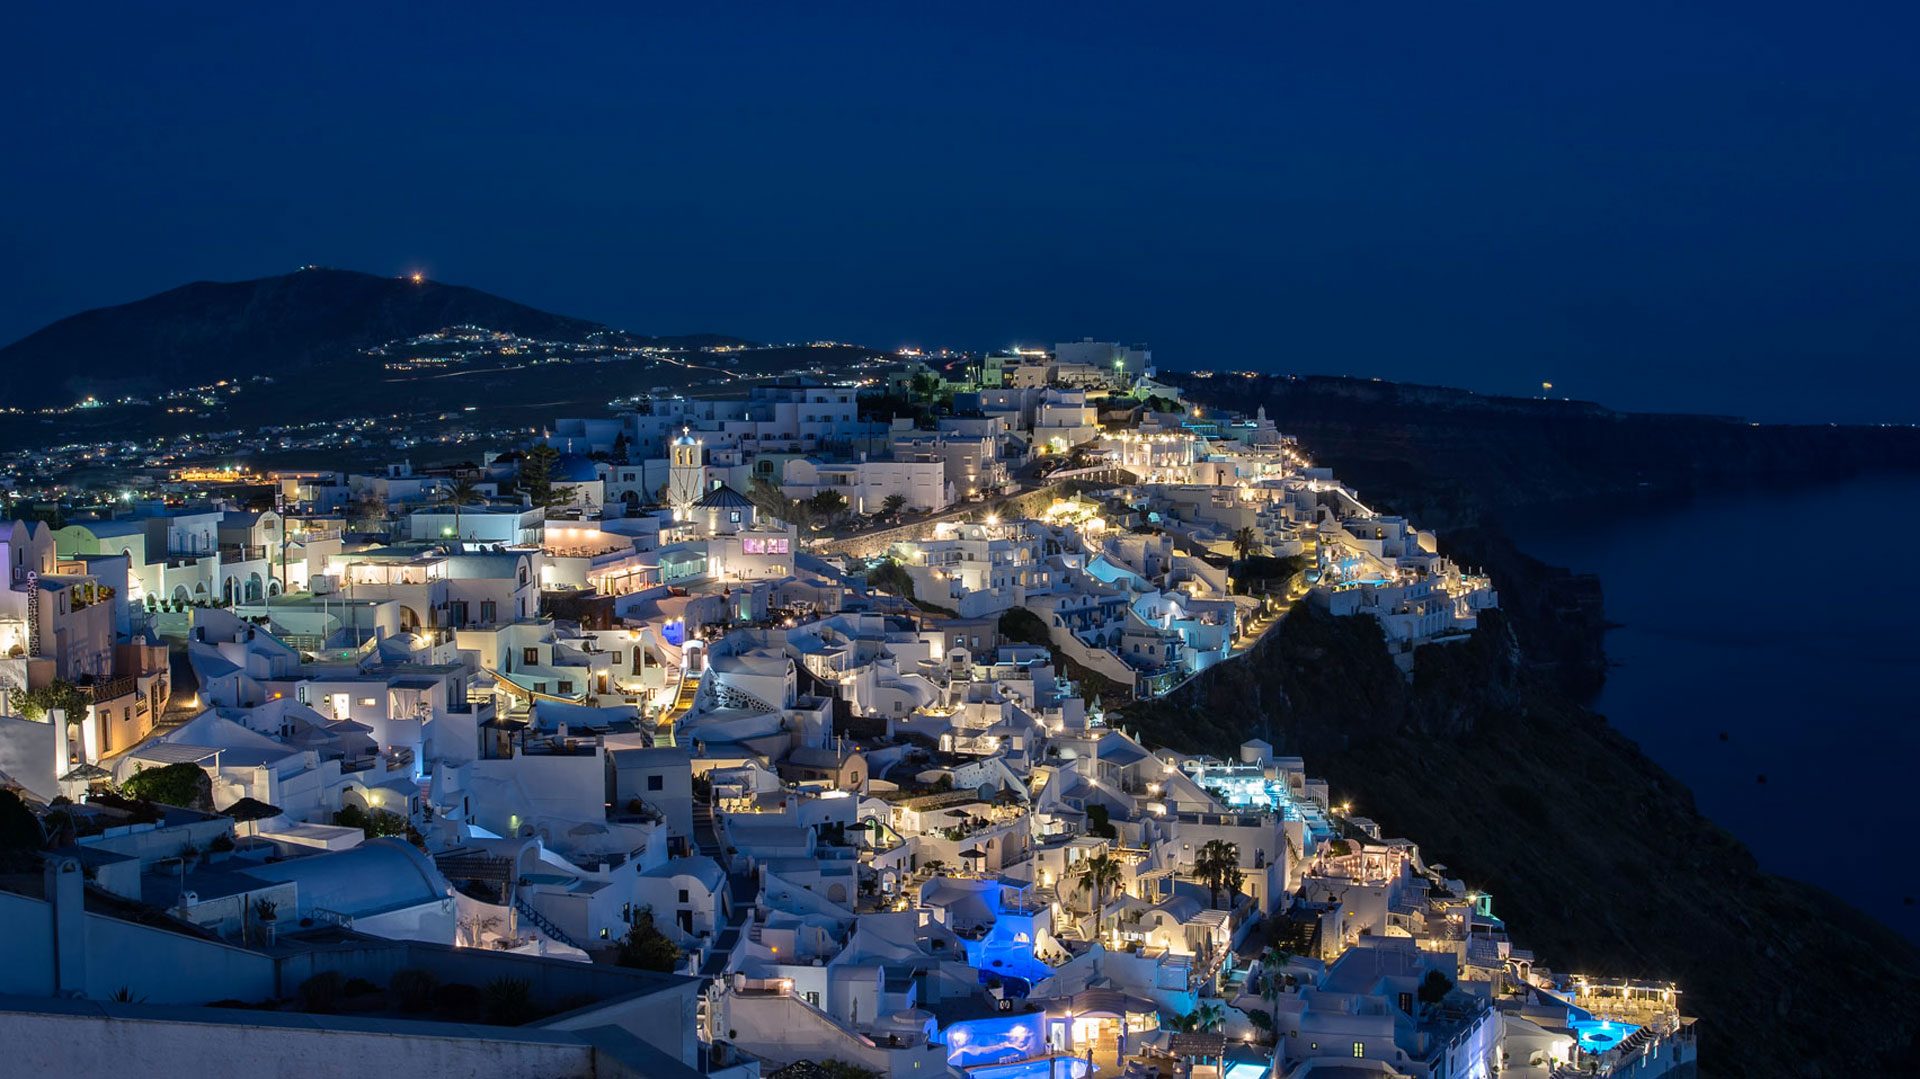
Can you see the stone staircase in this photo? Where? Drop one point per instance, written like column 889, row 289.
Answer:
column 543, row 923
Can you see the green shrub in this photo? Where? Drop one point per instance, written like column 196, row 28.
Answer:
column 646, row 948
column 460, row 1000
column 321, row 993
column 509, row 1001
column 413, row 989
column 182, row 784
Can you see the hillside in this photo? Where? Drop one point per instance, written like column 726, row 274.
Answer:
column 1596, row 857
column 278, row 326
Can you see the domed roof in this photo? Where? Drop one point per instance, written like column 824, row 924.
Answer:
column 726, row 498
column 575, row 468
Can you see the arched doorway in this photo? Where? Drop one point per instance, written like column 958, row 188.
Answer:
column 255, row 589
column 409, row 620
column 226, row 592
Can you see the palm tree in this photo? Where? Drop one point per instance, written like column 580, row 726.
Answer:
column 828, row 504
column 893, row 504
column 1099, row 874
column 1207, row 1016
column 1246, row 542
column 1218, row 866
column 464, row 492
column 1272, row 961
column 767, row 497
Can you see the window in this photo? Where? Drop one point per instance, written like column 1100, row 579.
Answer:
column 566, row 688
column 488, row 610
column 1359, row 1050
column 530, row 655
column 683, row 895
column 657, row 783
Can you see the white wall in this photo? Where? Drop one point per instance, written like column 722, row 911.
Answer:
column 110, row 1046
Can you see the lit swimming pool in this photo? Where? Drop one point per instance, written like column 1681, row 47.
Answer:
column 1056, row 1068
column 1600, row 1035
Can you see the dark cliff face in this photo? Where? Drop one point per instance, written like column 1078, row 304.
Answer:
column 1596, row 857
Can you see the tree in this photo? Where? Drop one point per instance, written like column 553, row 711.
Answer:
column 1099, row 875
column 1272, row 962
column 800, row 513
column 368, row 506
column 463, row 493
column 34, row 704
column 892, row 505
column 828, row 504
column 1022, row 626
column 1434, row 988
column 767, row 497
column 891, row 576
column 1218, row 867
column 509, row 1001
column 185, row 785
column 1098, row 823
column 1246, row 541
column 1208, row 1016
column 536, row 478
column 646, row 948
column 20, row 835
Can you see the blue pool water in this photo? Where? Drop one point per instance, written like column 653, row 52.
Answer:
column 1057, row 1068
column 1600, row 1035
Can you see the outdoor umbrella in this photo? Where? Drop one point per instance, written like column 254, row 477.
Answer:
column 251, row 811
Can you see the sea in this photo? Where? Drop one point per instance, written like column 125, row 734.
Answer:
column 1767, row 653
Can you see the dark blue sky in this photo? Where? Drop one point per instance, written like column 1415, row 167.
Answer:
column 1693, row 206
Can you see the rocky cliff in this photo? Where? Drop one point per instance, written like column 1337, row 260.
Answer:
column 1489, row 758
column 1597, row 858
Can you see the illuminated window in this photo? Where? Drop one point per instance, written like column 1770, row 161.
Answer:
column 1359, row 1049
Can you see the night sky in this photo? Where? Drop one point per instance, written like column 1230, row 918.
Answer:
column 1672, row 206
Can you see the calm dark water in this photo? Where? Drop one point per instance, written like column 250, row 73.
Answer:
column 1790, row 622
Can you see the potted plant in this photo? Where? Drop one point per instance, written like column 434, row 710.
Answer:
column 267, row 912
